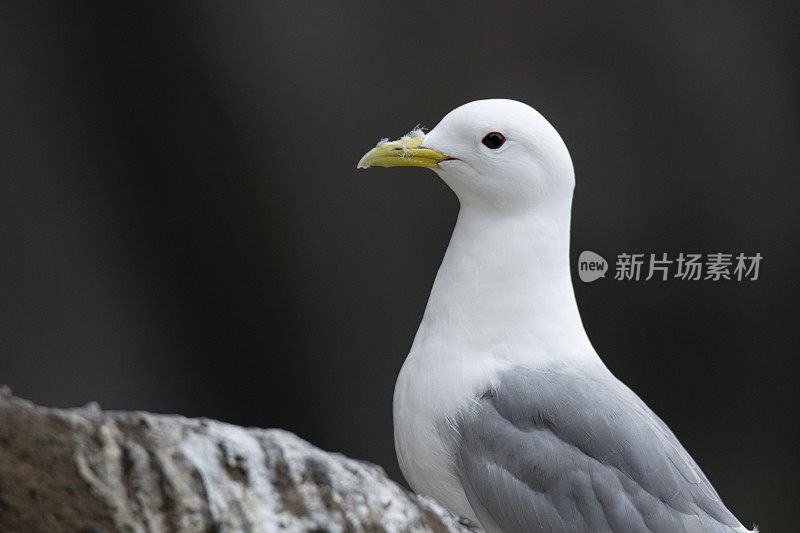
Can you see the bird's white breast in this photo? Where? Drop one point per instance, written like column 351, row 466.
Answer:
column 428, row 398
column 496, row 303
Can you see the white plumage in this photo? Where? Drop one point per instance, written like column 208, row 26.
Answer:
column 503, row 411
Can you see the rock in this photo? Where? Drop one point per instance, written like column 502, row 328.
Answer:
column 93, row 471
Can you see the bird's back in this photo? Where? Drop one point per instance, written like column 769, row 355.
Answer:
column 564, row 449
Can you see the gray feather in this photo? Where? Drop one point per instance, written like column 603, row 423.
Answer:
column 572, row 450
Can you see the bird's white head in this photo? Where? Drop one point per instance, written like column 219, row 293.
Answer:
column 494, row 154
column 503, row 292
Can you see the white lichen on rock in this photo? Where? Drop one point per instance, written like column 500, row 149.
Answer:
column 88, row 470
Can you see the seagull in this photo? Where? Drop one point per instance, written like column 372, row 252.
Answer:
column 503, row 411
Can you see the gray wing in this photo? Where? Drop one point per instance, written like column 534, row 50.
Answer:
column 573, row 451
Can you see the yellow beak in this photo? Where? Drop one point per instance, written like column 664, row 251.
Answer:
column 405, row 152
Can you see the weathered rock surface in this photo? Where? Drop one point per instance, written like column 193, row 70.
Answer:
column 93, row 471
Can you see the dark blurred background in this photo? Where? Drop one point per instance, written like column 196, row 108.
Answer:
column 183, row 228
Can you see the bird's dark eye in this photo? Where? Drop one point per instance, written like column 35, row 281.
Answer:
column 494, row 140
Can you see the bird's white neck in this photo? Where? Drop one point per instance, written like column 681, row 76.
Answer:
column 503, row 297
column 504, row 292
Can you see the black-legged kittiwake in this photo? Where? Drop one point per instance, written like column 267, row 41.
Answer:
column 503, row 411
